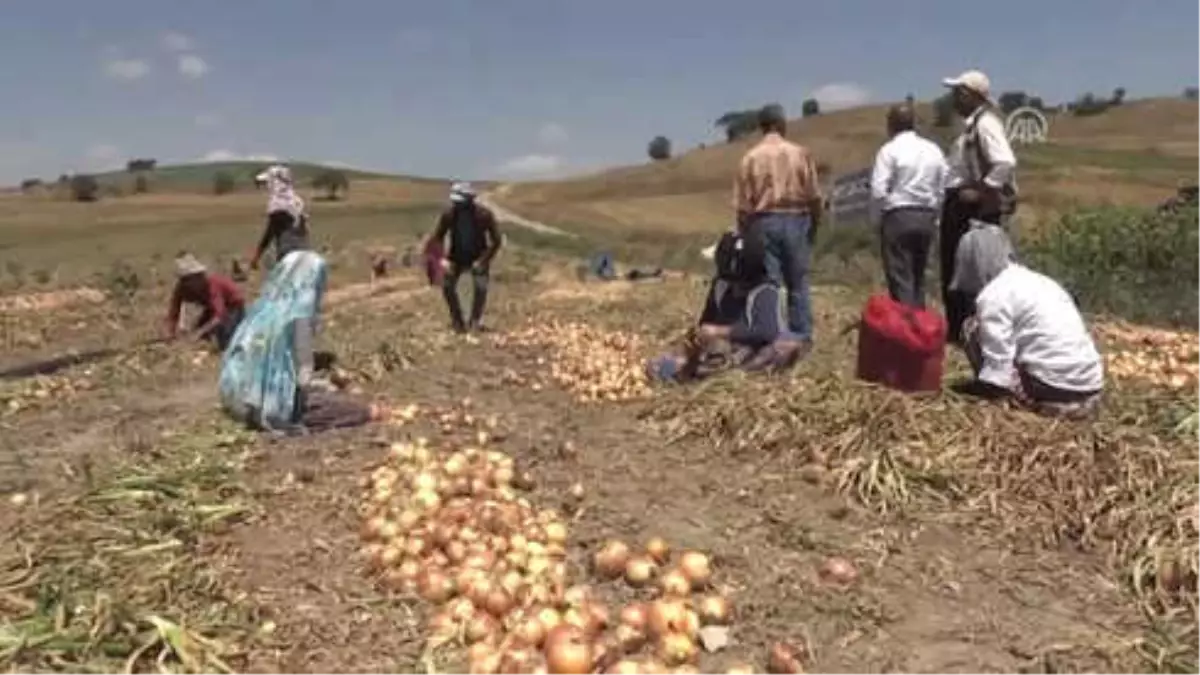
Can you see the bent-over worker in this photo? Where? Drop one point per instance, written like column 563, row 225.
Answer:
column 474, row 241
column 219, row 298
column 1027, row 339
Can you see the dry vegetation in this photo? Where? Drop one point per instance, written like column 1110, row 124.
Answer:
column 849, row 528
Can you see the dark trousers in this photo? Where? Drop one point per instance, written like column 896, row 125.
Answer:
column 222, row 333
column 956, row 220
column 786, row 240
column 906, row 236
column 479, row 277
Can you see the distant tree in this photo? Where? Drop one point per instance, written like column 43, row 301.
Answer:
column 1036, row 103
column 141, row 184
column 223, row 183
column 143, row 164
column 30, row 183
column 333, row 182
column 63, row 179
column 84, row 188
column 909, row 100
column 659, row 148
column 738, row 123
column 1191, row 93
column 810, row 108
column 943, row 111
column 1089, row 104
column 1011, row 100
column 1118, row 96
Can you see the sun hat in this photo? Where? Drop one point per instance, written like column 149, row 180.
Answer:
column 461, row 192
column 187, row 264
column 973, row 80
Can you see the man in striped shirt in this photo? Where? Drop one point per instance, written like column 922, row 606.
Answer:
column 777, row 197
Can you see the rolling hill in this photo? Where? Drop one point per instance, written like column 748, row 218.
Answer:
column 1136, row 153
column 199, row 176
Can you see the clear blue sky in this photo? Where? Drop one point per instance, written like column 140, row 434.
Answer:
column 515, row 87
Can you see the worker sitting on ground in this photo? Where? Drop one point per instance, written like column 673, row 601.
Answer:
column 219, row 298
column 742, row 324
column 1027, row 339
column 267, row 374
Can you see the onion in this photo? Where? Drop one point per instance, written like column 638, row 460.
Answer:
column 634, row 615
column 686, row 669
column 390, row 556
column 373, row 528
column 549, row 618
column 677, row 649
column 838, row 571
column 568, row 651
column 741, row 669
column 658, row 550
column 479, row 590
column 576, row 491
column 415, row 546
column 714, row 610
column 530, row 632
column 498, row 603
column 696, row 567
column 442, row 628
column 577, row 596
column 461, row 609
column 784, row 659
column 675, row 583
column 624, row 667
column 556, row 533
column 455, row 464
column 502, row 476
column 667, row 615
column 639, row 570
column 483, row 659
column 519, row 660
column 435, row 586
column 629, row 638
column 407, row 520
column 481, row 628
column 610, row 561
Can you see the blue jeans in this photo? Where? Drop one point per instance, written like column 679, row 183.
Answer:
column 785, row 236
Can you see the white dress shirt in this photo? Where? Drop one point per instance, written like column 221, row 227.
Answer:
column 910, row 171
column 993, row 139
column 1028, row 320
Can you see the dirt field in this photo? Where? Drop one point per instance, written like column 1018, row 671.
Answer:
column 149, row 530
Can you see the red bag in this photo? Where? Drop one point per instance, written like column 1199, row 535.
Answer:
column 901, row 347
column 433, row 263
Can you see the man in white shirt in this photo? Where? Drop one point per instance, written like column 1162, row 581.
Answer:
column 907, row 183
column 982, row 184
column 1027, row 339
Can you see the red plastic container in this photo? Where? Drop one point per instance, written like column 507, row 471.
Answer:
column 901, row 347
column 433, row 263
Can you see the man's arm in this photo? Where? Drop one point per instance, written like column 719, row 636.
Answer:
column 994, row 145
column 743, row 187
column 173, row 307
column 881, row 181
column 997, row 346
column 816, row 201
column 495, row 240
column 216, row 303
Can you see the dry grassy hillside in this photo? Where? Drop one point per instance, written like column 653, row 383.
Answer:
column 1134, row 154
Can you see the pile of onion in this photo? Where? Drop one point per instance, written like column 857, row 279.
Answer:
column 594, row 364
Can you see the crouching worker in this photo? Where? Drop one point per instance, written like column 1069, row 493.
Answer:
column 742, row 324
column 267, row 379
column 1027, row 339
column 218, row 297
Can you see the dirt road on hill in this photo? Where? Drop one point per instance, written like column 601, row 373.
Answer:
column 488, row 199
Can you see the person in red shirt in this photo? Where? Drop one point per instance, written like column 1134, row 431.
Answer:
column 218, row 297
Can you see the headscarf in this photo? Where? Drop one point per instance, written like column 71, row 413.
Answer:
column 983, row 253
column 259, row 370
column 281, row 192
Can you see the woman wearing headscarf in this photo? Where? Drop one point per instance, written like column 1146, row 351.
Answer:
column 287, row 220
column 267, row 377
column 1027, row 338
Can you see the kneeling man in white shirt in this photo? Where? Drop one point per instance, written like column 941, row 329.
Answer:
column 1027, row 338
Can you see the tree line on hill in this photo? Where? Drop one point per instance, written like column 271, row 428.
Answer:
column 333, row 183
column 738, row 124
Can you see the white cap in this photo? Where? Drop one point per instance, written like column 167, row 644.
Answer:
column 973, row 80
column 187, row 265
column 709, row 253
column 461, row 192
column 277, row 171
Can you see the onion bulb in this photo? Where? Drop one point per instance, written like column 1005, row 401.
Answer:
column 577, row 596
column 568, row 651
column 667, row 615
column 435, row 587
column 461, row 609
column 610, row 561
column 483, row 659
column 839, row 571
column 639, row 570
column 549, row 618
column 442, row 628
column 498, row 603
column 519, row 660
column 481, row 628
column 714, row 610
column 658, row 550
column 675, row 583
column 784, row 659
column 529, row 632
column 634, row 614
column 677, row 649
column 696, row 567
column 556, row 533
column 741, row 669
column 629, row 638
column 625, row 667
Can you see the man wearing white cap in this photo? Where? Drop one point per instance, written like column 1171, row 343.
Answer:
column 474, row 241
column 982, row 182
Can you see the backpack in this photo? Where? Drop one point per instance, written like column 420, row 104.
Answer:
column 739, row 257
